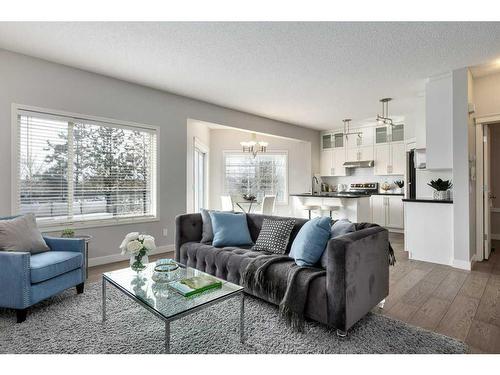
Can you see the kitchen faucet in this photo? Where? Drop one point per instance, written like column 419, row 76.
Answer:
column 314, row 180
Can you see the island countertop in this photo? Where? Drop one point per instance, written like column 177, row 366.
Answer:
column 330, row 195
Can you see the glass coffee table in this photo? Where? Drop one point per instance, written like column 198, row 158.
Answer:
column 165, row 303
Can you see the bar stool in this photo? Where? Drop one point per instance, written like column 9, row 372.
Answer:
column 310, row 207
column 330, row 208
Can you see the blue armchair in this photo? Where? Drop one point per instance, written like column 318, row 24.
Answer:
column 26, row 278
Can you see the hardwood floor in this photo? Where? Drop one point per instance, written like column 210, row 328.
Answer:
column 456, row 303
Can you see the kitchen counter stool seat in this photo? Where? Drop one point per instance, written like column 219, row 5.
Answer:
column 330, row 208
column 310, row 207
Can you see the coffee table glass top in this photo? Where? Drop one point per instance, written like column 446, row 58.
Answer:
column 160, row 297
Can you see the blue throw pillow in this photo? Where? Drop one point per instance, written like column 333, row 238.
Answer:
column 230, row 229
column 339, row 228
column 311, row 241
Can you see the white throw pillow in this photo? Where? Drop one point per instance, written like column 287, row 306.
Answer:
column 21, row 234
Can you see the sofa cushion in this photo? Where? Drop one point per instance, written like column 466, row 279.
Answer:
column 21, row 234
column 45, row 266
column 311, row 241
column 230, row 229
column 223, row 262
column 274, row 235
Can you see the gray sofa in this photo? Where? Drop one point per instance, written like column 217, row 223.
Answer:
column 357, row 272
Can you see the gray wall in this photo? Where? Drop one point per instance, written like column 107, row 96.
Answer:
column 31, row 81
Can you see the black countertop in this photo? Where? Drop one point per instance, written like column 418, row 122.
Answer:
column 423, row 200
column 330, row 195
column 341, row 195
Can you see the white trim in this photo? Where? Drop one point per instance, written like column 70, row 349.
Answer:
column 198, row 144
column 97, row 261
column 53, row 227
column 462, row 264
column 17, row 108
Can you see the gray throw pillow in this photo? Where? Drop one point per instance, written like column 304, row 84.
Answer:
column 21, row 234
column 339, row 228
column 207, row 234
column 274, row 235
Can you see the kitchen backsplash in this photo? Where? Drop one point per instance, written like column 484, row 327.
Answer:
column 358, row 175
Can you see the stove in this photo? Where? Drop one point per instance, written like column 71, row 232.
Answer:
column 366, row 188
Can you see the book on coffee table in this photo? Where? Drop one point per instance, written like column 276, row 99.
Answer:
column 195, row 285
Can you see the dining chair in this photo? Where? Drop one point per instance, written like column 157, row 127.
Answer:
column 226, row 203
column 268, row 204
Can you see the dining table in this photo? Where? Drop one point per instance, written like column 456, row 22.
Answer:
column 246, row 203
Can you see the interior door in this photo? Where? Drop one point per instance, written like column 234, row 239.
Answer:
column 487, row 195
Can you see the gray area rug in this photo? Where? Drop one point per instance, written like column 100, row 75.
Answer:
column 71, row 323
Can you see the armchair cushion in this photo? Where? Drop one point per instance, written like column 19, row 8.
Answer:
column 21, row 234
column 47, row 265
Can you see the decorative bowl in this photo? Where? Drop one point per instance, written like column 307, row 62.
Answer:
column 164, row 270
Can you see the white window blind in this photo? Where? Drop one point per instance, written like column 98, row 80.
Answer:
column 266, row 174
column 78, row 170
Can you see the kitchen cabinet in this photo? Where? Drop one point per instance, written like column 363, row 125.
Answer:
column 364, row 139
column 387, row 211
column 326, row 162
column 332, row 162
column 390, row 159
column 439, row 122
column 360, row 153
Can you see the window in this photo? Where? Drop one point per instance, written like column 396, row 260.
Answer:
column 264, row 174
column 72, row 170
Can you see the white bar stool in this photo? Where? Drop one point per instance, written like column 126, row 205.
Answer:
column 310, row 207
column 330, row 209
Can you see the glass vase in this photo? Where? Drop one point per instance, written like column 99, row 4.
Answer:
column 138, row 262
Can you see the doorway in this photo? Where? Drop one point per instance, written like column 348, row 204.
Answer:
column 200, row 176
column 487, row 185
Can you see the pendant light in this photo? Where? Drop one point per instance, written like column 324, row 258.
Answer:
column 347, row 130
column 253, row 146
column 384, row 118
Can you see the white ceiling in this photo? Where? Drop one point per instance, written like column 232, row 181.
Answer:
column 313, row 74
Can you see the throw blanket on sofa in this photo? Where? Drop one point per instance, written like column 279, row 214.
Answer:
column 290, row 293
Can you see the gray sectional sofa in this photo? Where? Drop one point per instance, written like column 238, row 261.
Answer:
column 357, row 272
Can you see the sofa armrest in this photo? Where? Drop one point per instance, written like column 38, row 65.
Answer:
column 188, row 228
column 357, row 275
column 15, row 279
column 65, row 244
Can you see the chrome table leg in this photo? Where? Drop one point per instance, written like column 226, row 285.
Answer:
column 167, row 337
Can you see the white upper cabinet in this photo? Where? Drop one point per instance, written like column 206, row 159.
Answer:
column 326, row 162
column 439, row 122
column 390, row 159
column 338, row 162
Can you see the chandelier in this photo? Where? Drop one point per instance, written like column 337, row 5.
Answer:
column 384, row 119
column 253, row 146
column 347, row 130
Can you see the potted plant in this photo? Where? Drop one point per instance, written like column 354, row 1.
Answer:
column 441, row 188
column 400, row 184
column 68, row 233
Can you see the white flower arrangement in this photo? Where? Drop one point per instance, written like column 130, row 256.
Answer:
column 137, row 246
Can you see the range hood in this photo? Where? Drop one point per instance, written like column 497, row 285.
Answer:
column 359, row 164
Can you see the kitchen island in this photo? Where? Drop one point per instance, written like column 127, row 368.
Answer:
column 354, row 207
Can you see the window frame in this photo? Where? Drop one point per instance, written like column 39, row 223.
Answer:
column 286, row 202
column 47, row 226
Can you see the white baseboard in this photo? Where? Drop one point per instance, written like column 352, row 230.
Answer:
column 462, row 264
column 97, row 261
